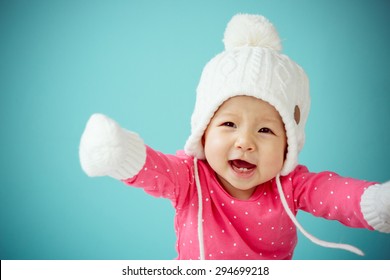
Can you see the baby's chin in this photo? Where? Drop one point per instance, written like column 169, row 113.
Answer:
column 237, row 190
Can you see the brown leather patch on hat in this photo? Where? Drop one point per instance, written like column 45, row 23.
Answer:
column 297, row 114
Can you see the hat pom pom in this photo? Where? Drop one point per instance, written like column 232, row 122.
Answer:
column 253, row 31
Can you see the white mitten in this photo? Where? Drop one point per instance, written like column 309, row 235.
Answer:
column 375, row 206
column 108, row 150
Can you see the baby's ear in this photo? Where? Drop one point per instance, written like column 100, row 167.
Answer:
column 203, row 140
column 285, row 152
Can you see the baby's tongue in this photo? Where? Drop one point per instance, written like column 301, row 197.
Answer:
column 242, row 164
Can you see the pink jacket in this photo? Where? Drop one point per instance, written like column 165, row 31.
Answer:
column 258, row 228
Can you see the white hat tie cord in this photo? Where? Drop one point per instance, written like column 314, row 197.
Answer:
column 200, row 210
column 308, row 235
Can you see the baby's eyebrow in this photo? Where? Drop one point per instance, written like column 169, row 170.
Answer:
column 227, row 114
column 272, row 120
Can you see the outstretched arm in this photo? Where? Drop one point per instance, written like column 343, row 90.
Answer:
column 106, row 149
column 355, row 203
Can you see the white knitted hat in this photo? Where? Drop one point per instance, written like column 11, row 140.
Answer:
column 252, row 65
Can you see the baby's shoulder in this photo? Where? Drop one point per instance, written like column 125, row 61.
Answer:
column 298, row 171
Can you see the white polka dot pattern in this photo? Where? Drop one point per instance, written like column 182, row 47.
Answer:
column 258, row 228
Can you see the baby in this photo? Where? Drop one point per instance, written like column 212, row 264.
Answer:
column 237, row 185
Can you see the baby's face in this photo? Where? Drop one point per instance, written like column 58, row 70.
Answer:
column 245, row 144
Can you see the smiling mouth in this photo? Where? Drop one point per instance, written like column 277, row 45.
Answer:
column 242, row 167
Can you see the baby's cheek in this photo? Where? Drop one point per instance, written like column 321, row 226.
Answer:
column 276, row 160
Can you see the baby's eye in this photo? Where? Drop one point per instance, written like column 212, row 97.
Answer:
column 265, row 130
column 229, row 124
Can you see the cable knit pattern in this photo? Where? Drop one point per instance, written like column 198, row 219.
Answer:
column 252, row 65
column 375, row 205
column 106, row 149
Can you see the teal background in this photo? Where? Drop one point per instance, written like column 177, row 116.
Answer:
column 139, row 62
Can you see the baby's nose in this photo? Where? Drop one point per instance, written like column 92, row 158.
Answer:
column 244, row 142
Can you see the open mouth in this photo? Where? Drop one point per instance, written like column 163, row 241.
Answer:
column 242, row 166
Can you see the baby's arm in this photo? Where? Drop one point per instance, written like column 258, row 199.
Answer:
column 106, row 149
column 353, row 202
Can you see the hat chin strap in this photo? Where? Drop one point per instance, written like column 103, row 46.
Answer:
column 308, row 235
column 200, row 210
